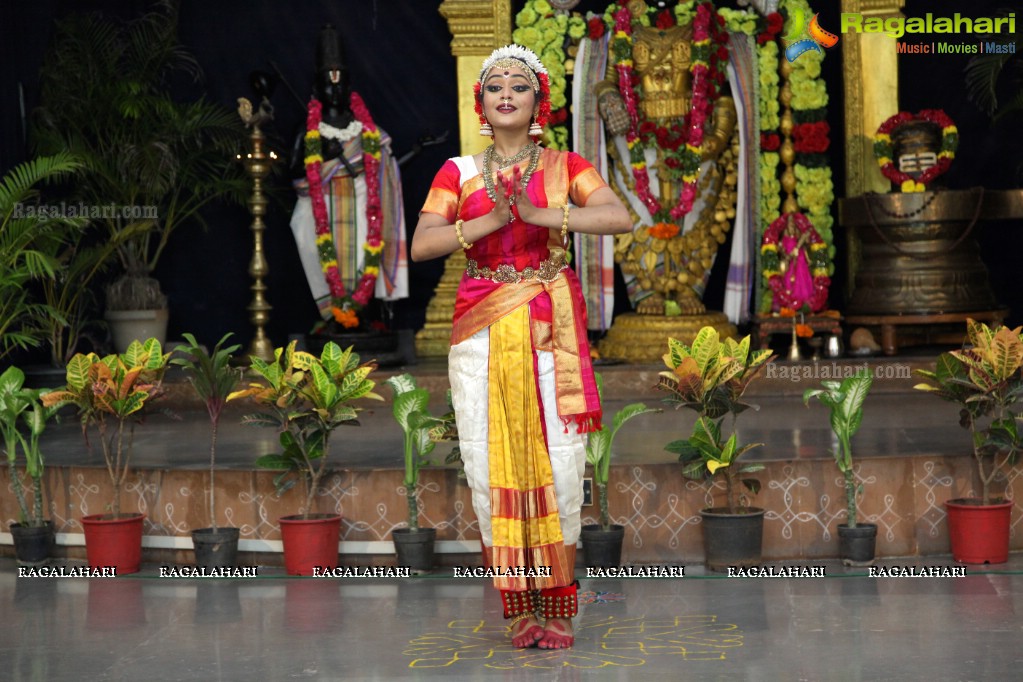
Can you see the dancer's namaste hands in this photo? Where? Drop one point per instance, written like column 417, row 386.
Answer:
column 512, row 198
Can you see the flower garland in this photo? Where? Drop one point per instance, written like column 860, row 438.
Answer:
column 884, row 152
column 544, row 31
column 343, row 303
column 819, row 262
column 815, row 192
column 682, row 142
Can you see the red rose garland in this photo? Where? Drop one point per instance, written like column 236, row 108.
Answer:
column 883, row 148
column 374, row 246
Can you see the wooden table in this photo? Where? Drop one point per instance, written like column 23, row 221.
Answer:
column 766, row 326
column 924, row 328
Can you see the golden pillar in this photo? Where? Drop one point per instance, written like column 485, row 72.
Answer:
column 477, row 27
column 870, row 75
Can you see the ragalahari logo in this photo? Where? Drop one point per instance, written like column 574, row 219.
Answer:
column 799, row 43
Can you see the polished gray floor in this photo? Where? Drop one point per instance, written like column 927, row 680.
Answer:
column 845, row 627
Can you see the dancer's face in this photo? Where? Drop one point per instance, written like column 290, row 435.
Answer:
column 508, row 98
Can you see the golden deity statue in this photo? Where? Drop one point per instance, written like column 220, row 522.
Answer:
column 662, row 59
column 666, row 260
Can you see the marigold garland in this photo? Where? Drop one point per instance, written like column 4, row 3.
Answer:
column 664, row 230
column 883, row 148
column 818, row 262
column 343, row 303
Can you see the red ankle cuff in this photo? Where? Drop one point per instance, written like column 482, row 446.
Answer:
column 560, row 602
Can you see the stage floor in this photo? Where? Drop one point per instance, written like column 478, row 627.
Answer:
column 845, row 626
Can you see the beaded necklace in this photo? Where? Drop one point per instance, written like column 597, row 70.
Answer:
column 505, row 161
column 490, row 156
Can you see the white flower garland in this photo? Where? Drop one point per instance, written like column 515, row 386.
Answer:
column 345, row 134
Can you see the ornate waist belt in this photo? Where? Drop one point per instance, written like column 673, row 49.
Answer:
column 548, row 271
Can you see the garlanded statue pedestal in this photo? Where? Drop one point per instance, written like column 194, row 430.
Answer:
column 635, row 337
column 920, row 269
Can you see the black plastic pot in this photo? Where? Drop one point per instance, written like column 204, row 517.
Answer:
column 602, row 548
column 33, row 545
column 732, row 539
column 856, row 545
column 415, row 549
column 215, row 548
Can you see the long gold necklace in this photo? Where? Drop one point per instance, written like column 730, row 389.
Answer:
column 490, row 156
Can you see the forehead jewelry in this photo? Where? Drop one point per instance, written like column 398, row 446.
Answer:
column 514, row 56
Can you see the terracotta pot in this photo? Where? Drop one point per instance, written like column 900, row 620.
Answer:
column 114, row 541
column 309, row 542
column 979, row 533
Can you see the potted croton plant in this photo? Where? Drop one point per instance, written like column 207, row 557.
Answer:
column 307, row 398
column 414, row 545
column 212, row 378
column 856, row 540
column 985, row 380
column 110, row 394
column 602, row 542
column 23, row 419
column 710, row 377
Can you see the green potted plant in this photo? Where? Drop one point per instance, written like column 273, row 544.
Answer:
column 414, row 545
column 985, row 380
column 602, row 542
column 110, row 394
column 307, row 398
column 710, row 377
column 856, row 541
column 150, row 162
column 23, row 419
column 213, row 379
column 29, row 241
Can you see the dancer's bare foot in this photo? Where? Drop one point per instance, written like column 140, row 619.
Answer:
column 557, row 634
column 526, row 633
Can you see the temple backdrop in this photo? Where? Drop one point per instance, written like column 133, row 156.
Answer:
column 399, row 58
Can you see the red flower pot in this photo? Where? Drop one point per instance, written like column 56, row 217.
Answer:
column 114, row 541
column 979, row 533
column 310, row 541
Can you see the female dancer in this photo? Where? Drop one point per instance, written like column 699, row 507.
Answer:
column 521, row 379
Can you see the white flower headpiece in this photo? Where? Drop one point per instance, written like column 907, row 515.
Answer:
column 523, row 54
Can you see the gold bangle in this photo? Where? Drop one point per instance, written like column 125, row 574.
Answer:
column 458, row 233
column 564, row 223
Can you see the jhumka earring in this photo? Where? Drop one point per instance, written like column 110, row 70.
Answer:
column 534, row 129
column 486, row 130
